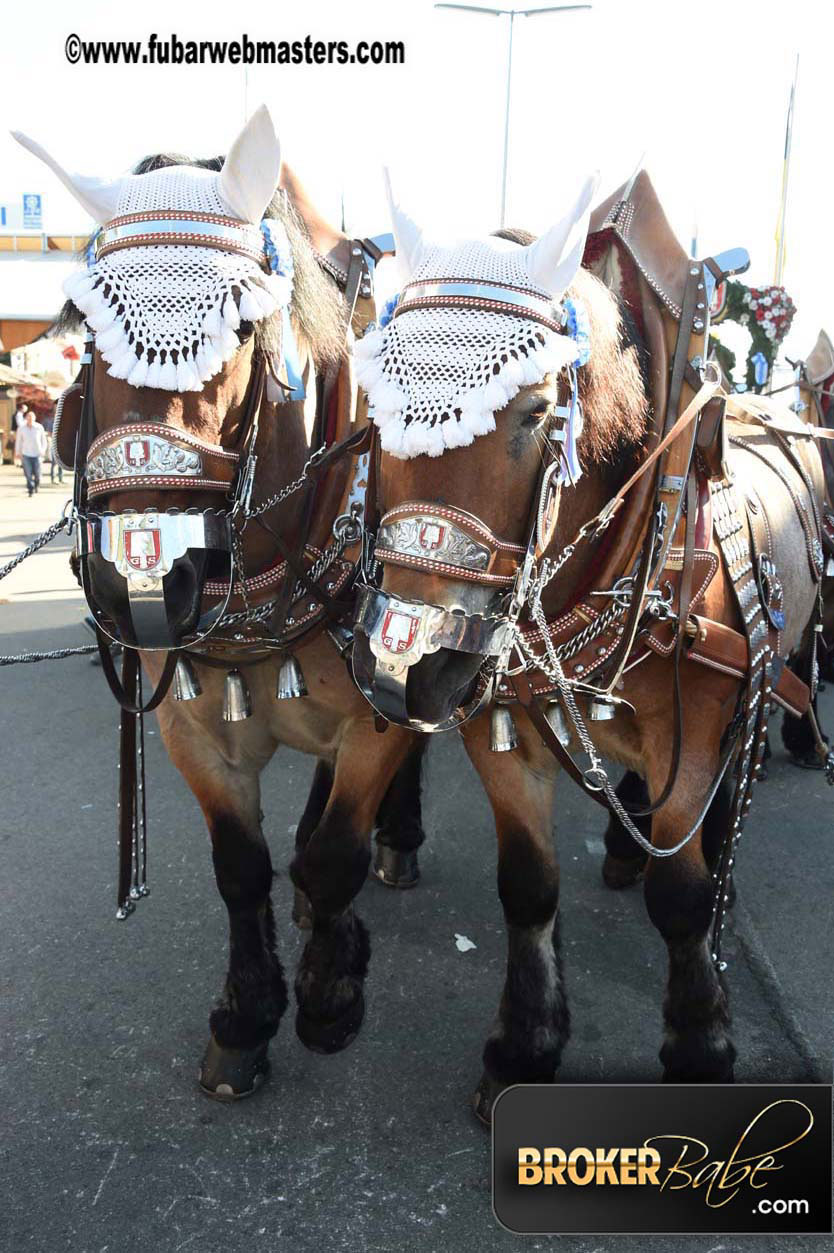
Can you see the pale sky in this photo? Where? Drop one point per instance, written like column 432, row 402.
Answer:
column 701, row 88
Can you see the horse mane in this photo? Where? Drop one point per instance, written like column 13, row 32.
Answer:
column 317, row 307
column 613, row 386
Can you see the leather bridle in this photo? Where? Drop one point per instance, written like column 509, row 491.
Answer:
column 456, row 545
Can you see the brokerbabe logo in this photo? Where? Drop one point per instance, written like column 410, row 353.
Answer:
column 688, row 1158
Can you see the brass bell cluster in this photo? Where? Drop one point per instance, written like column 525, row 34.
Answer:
column 237, row 702
column 503, row 737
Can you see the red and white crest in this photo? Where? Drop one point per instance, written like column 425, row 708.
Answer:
column 137, row 452
column 431, row 536
column 398, row 630
column 143, row 548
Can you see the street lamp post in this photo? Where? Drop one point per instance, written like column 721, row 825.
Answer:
column 512, row 14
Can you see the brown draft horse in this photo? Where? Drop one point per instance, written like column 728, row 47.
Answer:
column 355, row 784
column 812, row 396
column 495, row 480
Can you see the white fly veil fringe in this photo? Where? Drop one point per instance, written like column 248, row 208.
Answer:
column 436, row 377
column 166, row 315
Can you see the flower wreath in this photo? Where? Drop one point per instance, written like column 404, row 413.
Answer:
column 767, row 312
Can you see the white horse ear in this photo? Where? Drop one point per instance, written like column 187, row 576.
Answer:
column 252, row 168
column 553, row 261
column 411, row 247
column 98, row 197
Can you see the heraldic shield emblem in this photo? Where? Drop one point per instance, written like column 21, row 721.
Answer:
column 398, row 631
column 432, row 536
column 143, row 548
column 137, row 452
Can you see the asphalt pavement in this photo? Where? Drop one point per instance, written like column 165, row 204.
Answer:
column 107, row 1144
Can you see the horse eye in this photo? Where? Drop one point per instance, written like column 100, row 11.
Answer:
column 536, row 416
column 244, row 331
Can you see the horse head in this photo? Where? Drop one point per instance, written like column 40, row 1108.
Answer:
column 198, row 280
column 476, row 386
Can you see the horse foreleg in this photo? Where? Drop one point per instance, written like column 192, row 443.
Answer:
column 680, row 897
column 399, row 823
column 532, row 1026
column 302, row 912
column 330, row 869
column 254, row 995
column 624, row 859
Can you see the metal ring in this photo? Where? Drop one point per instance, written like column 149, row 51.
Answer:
column 347, row 527
column 595, row 779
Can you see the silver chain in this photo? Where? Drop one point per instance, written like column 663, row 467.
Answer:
column 258, row 613
column 596, row 776
column 56, row 655
column 255, row 511
column 44, row 538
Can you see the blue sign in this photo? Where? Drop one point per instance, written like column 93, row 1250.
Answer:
column 32, row 212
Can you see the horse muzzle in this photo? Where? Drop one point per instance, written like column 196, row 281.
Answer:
column 392, row 636
column 149, row 569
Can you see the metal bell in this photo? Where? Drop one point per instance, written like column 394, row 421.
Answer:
column 602, row 709
column 556, row 722
column 290, row 680
column 502, row 736
column 186, row 684
column 236, row 702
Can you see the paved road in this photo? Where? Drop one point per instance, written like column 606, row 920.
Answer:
column 107, row 1145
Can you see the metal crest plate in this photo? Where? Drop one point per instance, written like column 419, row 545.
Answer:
column 427, row 536
column 135, row 456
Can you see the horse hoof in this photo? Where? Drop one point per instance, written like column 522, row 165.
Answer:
column 621, row 872
column 331, row 1037
column 484, row 1097
column 394, row 868
column 302, row 910
column 233, row 1074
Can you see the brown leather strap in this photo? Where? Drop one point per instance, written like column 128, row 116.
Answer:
column 532, row 708
column 125, row 695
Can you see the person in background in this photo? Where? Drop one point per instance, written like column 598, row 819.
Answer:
column 29, row 448
column 54, row 463
column 19, row 415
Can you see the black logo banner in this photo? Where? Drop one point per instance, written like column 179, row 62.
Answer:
column 657, row 1158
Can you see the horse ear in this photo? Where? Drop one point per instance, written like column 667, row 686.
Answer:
column 97, row 196
column 553, row 261
column 252, row 168
column 411, row 247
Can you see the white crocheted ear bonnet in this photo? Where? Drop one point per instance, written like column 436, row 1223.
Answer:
column 182, row 259
column 475, row 323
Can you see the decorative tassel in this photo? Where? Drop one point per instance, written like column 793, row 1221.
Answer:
column 231, row 313
column 102, row 315
column 138, row 375
column 110, row 337
column 152, row 377
column 213, row 360
column 250, row 310
column 213, row 323
column 79, row 285
column 123, row 364
column 168, row 376
column 229, row 342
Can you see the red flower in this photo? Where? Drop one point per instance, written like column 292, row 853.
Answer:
column 760, row 315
